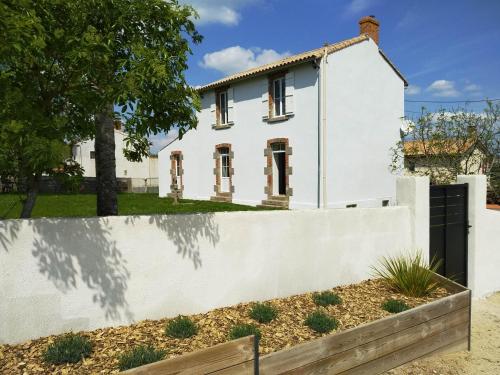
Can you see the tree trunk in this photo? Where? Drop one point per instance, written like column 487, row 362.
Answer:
column 105, row 164
column 32, row 187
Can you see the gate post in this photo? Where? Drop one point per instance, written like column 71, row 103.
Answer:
column 476, row 208
column 413, row 192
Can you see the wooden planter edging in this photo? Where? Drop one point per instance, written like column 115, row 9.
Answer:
column 205, row 361
column 440, row 326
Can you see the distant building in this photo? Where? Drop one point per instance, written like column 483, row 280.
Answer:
column 444, row 159
column 137, row 175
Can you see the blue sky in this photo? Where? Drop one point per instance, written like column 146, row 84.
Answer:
column 449, row 50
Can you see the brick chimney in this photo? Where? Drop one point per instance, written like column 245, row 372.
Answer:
column 369, row 25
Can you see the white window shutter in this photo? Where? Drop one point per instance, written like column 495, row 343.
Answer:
column 289, row 93
column 213, row 114
column 230, row 105
column 265, row 99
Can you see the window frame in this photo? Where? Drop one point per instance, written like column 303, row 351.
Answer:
column 92, row 154
column 222, row 111
column 225, row 162
column 278, row 95
column 177, row 160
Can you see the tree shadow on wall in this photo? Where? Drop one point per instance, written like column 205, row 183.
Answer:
column 71, row 249
column 8, row 232
column 186, row 231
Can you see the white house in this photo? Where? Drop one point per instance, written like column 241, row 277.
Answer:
column 310, row 130
column 140, row 174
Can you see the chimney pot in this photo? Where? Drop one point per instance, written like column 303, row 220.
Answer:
column 369, row 26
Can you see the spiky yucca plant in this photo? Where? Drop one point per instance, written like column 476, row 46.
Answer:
column 409, row 274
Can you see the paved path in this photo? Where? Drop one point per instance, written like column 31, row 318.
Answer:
column 485, row 355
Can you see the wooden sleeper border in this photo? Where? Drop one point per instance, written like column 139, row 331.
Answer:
column 441, row 326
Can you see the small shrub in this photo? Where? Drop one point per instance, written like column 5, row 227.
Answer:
column 395, row 306
column 263, row 312
column 139, row 356
column 69, row 348
column 320, row 322
column 326, row 298
column 181, row 328
column 243, row 330
column 410, row 274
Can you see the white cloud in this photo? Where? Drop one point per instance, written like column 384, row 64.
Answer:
column 413, row 90
column 225, row 12
column 472, row 88
column 357, row 6
column 236, row 59
column 443, row 88
column 221, row 14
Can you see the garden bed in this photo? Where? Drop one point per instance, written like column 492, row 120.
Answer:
column 361, row 303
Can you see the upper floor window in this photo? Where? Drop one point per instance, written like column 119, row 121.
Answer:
column 222, row 108
column 92, row 154
column 222, row 111
column 278, row 96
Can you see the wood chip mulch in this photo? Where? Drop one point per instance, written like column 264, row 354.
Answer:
column 361, row 304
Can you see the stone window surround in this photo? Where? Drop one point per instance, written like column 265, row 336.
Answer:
column 268, row 170
column 173, row 185
column 216, row 157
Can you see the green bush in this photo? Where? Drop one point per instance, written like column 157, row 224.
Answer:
column 395, row 306
column 69, row 348
column 326, row 298
column 409, row 274
column 181, row 328
column 243, row 330
column 139, row 356
column 320, row 322
column 263, row 312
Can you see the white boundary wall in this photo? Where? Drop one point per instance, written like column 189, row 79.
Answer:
column 80, row 274
column 484, row 240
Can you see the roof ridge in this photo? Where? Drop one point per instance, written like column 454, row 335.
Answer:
column 297, row 58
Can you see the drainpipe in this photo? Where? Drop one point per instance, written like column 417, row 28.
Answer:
column 320, row 148
column 323, row 130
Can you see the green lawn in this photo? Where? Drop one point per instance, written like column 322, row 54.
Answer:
column 82, row 205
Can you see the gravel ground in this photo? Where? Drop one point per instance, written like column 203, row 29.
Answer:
column 485, row 355
column 361, row 303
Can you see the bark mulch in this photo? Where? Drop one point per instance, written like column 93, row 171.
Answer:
column 361, row 304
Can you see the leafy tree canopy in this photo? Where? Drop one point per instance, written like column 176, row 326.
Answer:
column 450, row 143
column 64, row 61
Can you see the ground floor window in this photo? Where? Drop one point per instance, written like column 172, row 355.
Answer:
column 278, row 169
column 176, row 173
column 223, row 172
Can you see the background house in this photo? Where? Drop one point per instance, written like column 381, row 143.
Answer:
column 132, row 176
column 444, row 160
column 310, row 130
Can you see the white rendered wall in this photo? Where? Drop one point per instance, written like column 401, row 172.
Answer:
column 365, row 107
column 248, row 138
column 147, row 168
column 80, row 274
column 484, row 240
column 365, row 104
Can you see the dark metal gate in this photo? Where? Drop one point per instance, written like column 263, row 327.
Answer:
column 449, row 227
